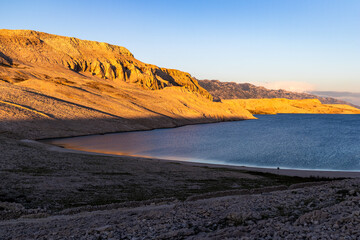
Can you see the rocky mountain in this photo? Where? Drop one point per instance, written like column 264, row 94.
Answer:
column 97, row 58
column 54, row 86
column 232, row 90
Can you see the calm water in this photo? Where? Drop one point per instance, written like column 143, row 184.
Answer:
column 327, row 142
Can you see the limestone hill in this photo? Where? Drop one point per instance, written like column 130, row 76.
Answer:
column 52, row 86
column 96, row 58
column 281, row 105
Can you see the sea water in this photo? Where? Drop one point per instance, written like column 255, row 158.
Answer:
column 295, row 141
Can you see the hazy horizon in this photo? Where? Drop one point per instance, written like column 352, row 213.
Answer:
column 294, row 45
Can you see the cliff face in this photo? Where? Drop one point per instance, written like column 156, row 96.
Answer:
column 104, row 60
column 232, row 90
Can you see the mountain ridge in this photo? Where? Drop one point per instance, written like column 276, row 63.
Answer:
column 83, row 56
column 232, row 90
column 53, row 86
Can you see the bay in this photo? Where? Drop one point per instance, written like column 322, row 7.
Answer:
column 292, row 141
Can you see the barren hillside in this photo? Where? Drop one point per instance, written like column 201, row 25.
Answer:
column 54, row 86
column 99, row 59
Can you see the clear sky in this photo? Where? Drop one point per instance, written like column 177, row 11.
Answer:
column 287, row 43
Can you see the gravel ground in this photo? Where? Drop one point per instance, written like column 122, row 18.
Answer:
column 330, row 211
column 59, row 195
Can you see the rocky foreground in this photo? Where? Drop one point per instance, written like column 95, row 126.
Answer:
column 47, row 194
column 330, row 211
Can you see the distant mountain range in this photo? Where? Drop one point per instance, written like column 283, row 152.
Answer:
column 231, row 90
column 350, row 97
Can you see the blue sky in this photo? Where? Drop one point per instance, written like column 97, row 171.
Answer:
column 309, row 44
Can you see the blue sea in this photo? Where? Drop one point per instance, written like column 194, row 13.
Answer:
column 292, row 141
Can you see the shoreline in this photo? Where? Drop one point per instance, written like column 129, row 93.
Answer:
column 178, row 125
column 73, row 193
column 280, row 171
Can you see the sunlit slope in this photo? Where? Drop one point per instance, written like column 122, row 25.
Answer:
column 281, row 105
column 53, row 86
column 106, row 61
column 38, row 109
column 343, row 106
